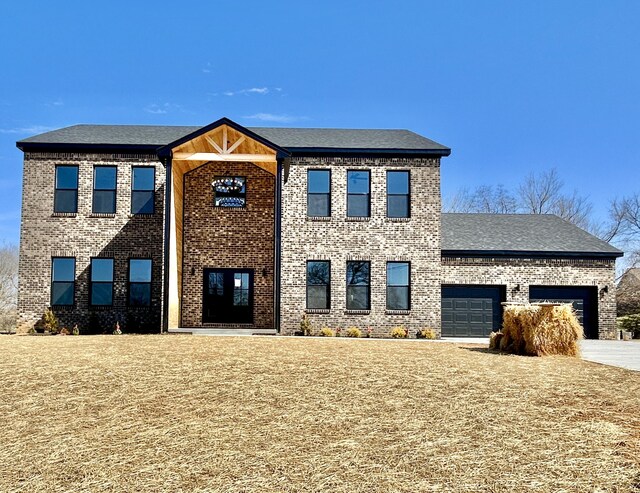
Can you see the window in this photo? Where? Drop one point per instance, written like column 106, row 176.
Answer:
column 318, row 193
column 140, row 281
column 104, row 189
column 398, row 195
column 63, row 277
column 358, row 280
column 66, row 194
column 143, row 189
column 318, row 284
column 101, row 291
column 240, row 289
column 398, row 286
column 358, row 196
column 229, row 191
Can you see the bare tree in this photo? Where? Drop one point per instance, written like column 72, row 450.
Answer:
column 539, row 193
column 485, row 198
column 8, row 286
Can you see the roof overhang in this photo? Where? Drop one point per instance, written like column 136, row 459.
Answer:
column 530, row 254
column 371, row 152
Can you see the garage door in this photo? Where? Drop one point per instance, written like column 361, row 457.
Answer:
column 583, row 299
column 471, row 311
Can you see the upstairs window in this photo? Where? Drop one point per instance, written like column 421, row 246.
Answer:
column 398, row 286
column 358, row 282
column 101, row 289
column 63, row 277
column 140, row 281
column 398, row 194
column 358, row 193
column 66, row 194
column 143, row 187
column 318, row 193
column 318, row 284
column 229, row 191
column 104, row 189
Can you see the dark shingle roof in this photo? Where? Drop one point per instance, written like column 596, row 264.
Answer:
column 289, row 138
column 513, row 233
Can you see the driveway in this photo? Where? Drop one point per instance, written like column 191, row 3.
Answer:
column 625, row 354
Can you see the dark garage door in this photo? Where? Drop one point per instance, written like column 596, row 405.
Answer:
column 583, row 299
column 471, row 311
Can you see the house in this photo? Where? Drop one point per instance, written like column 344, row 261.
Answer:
column 628, row 292
column 165, row 228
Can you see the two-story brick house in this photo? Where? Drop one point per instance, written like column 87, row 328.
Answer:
column 194, row 229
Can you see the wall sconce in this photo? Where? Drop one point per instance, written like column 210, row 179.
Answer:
column 265, row 272
column 193, row 271
column 517, row 287
column 604, row 290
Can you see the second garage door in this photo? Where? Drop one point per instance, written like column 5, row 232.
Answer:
column 584, row 301
column 471, row 311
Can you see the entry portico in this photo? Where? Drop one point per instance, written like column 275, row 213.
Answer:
column 222, row 235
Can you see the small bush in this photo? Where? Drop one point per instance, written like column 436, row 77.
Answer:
column 369, row 331
column 326, row 332
column 630, row 323
column 399, row 332
column 64, row 331
column 76, row 330
column 494, row 340
column 426, row 333
column 305, row 326
column 50, row 321
column 338, row 331
column 353, row 332
column 117, row 331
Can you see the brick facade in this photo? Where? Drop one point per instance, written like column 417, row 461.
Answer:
column 377, row 239
column 85, row 235
column 220, row 237
column 511, row 272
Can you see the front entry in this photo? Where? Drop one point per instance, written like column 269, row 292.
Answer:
column 228, row 296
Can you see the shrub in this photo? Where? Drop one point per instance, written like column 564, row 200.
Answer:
column 50, row 321
column 494, row 340
column 76, row 330
column 353, row 332
column 369, row 331
column 630, row 323
column 326, row 332
column 338, row 331
column 305, row 326
column 117, row 331
column 399, row 332
column 64, row 331
column 426, row 333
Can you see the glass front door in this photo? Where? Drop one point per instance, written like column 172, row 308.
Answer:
column 228, row 296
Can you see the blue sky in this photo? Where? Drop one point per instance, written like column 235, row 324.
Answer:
column 510, row 86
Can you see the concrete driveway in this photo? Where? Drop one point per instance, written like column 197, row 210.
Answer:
column 625, row 354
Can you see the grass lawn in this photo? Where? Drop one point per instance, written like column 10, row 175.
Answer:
column 184, row 413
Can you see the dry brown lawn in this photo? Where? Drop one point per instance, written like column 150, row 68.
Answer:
column 184, row 413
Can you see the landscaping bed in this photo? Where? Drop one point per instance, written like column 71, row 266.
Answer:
column 186, row 413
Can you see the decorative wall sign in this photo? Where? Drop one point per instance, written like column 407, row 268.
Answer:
column 229, row 191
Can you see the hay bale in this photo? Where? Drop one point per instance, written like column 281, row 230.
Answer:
column 494, row 340
column 540, row 330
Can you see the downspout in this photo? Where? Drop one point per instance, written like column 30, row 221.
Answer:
column 277, row 246
column 168, row 184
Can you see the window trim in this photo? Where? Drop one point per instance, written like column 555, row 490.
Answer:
column 114, row 190
column 408, row 194
column 328, row 170
column 408, row 286
column 92, row 282
column 73, row 299
column 359, row 194
column 56, row 188
column 152, row 190
column 328, row 285
column 215, row 192
column 129, row 282
column 368, row 308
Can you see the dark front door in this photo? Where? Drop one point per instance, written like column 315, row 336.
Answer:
column 228, row 296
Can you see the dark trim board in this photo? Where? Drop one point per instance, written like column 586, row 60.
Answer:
column 471, row 310
column 583, row 298
column 526, row 254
